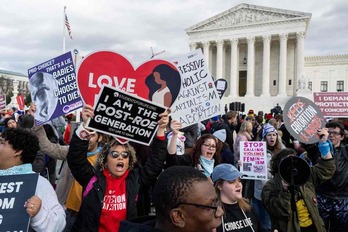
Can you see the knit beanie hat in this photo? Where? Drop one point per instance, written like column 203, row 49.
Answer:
column 220, row 135
column 267, row 128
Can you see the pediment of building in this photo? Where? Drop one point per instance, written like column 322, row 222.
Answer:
column 245, row 14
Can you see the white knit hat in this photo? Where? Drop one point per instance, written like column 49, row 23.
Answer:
column 220, row 135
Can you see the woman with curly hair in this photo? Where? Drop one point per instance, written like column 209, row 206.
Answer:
column 111, row 188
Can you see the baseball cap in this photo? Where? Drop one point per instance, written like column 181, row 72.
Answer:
column 225, row 172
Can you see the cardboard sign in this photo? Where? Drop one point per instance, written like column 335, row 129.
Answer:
column 155, row 80
column 302, row 118
column 221, row 86
column 254, row 158
column 126, row 116
column 15, row 190
column 2, row 102
column 198, row 99
column 53, row 88
column 333, row 104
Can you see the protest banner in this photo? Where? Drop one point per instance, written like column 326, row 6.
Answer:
column 332, row 104
column 155, row 80
column 221, row 86
column 302, row 118
column 2, row 101
column 15, row 190
column 125, row 116
column 53, row 88
column 253, row 155
column 198, row 98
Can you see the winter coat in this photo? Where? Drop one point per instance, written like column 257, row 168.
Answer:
column 337, row 186
column 56, row 151
column 277, row 201
column 91, row 207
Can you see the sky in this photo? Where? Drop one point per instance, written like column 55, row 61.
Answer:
column 31, row 32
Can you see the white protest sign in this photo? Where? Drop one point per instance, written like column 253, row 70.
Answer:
column 198, row 98
column 253, row 155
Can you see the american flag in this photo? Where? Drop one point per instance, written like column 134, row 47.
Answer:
column 68, row 25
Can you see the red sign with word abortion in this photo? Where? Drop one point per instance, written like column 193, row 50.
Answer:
column 332, row 104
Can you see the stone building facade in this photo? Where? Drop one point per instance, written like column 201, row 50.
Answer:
column 260, row 52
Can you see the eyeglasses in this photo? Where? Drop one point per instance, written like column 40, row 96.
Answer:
column 214, row 207
column 115, row 154
column 336, row 133
column 209, row 147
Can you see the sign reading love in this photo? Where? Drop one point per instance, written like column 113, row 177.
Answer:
column 112, row 69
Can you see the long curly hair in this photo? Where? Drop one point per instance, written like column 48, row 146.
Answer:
column 103, row 155
column 196, row 150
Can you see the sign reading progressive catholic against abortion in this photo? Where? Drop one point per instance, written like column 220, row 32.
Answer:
column 126, row 116
column 15, row 190
column 198, row 98
column 53, row 88
column 302, row 118
column 254, row 159
column 155, row 80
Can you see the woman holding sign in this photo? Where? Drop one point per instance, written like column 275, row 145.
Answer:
column 111, row 188
column 204, row 155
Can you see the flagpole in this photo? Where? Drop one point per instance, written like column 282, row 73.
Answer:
column 64, row 30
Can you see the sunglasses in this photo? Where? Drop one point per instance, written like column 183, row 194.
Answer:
column 115, row 154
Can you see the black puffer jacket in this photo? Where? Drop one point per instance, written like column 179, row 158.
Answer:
column 337, row 186
column 82, row 170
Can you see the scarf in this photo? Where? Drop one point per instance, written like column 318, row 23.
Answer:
column 94, row 152
column 208, row 165
column 17, row 170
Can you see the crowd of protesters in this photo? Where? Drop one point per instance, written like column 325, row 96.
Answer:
column 189, row 179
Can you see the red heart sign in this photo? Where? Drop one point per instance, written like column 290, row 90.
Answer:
column 109, row 68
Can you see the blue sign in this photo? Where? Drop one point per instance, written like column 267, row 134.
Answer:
column 53, row 88
column 15, row 190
